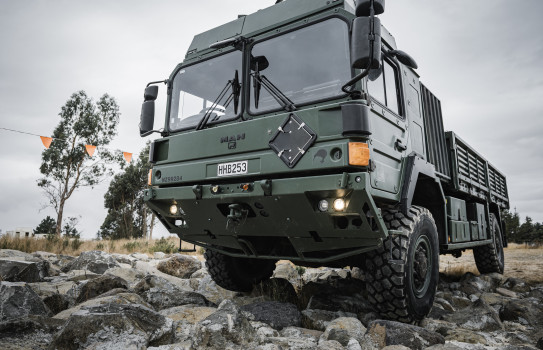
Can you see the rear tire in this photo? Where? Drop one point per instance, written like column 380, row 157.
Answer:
column 402, row 282
column 490, row 258
column 237, row 274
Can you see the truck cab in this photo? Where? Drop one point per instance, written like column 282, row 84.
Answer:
column 267, row 154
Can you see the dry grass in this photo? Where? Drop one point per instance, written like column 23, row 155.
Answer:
column 75, row 246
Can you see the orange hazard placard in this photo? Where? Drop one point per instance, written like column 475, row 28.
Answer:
column 90, row 149
column 46, row 141
column 127, row 156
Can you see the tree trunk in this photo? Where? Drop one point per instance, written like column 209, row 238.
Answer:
column 144, row 223
column 152, row 226
column 59, row 219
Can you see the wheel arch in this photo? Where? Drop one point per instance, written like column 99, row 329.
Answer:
column 422, row 187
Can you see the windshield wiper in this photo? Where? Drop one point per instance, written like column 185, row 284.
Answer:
column 234, row 96
column 261, row 80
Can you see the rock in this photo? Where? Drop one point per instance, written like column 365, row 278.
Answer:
column 465, row 336
column 525, row 311
column 18, row 255
column 159, row 255
column 358, row 274
column 471, row 284
column 57, row 303
column 319, row 319
column 438, row 326
column 23, row 271
column 343, row 329
column 507, row 293
column 45, row 289
column 480, row 317
column 95, row 261
column 188, row 313
column 444, row 304
column 540, row 343
column 277, row 289
column 293, row 343
column 163, row 295
column 114, row 326
column 124, row 259
column 182, row 266
column 130, row 275
column 122, row 298
column 176, row 346
column 147, row 268
column 208, row 288
column 341, row 295
column 140, row 256
column 30, row 332
column 446, row 346
column 80, row 275
column 330, row 345
column 517, row 285
column 288, row 272
column 94, row 287
column 385, row 333
column 395, row 347
column 225, row 326
column 277, row 315
column 18, row 300
column 297, row 332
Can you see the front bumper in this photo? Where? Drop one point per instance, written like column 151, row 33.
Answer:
column 276, row 219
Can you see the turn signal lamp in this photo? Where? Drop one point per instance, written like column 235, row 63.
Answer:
column 359, row 154
column 150, row 178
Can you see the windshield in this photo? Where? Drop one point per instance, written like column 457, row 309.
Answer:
column 306, row 65
column 197, row 87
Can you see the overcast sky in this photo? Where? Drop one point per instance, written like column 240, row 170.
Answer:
column 481, row 58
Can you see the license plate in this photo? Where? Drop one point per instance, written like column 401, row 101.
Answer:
column 231, row 169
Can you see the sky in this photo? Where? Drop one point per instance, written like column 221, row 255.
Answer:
column 481, row 58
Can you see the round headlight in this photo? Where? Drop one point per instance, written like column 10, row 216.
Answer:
column 323, row 205
column 339, row 204
column 174, row 209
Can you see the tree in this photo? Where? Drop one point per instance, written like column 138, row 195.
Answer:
column 70, row 229
column 512, row 225
column 65, row 164
column 128, row 216
column 47, row 225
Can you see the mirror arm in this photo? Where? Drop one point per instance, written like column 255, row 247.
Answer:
column 165, row 81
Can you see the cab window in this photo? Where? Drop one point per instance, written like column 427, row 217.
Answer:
column 383, row 86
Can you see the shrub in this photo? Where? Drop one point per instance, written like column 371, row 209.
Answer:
column 163, row 245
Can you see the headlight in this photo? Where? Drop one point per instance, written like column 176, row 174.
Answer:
column 173, row 209
column 339, row 204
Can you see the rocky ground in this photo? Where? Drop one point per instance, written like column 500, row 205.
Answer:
column 103, row 301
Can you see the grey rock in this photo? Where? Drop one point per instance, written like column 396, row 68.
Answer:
column 18, row 300
column 288, row 272
column 293, row 343
column 297, row 332
column 480, row 317
column 446, row 346
column 182, row 266
column 23, row 271
column 95, row 261
column 278, row 315
column 276, row 289
column 225, row 326
column 341, row 295
column 57, row 302
column 10, row 254
column 114, row 326
column 208, row 288
column 159, row 255
column 45, row 289
column 395, row 347
column 517, row 285
column 162, row 294
column 188, row 313
column 79, row 275
column 140, row 256
column 540, row 343
column 526, row 311
column 385, row 333
column 124, row 259
column 96, row 286
column 148, row 268
column 319, row 319
column 130, row 275
column 330, row 345
column 121, row 298
column 344, row 329
column 353, row 345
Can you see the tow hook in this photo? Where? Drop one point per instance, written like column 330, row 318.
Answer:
column 237, row 217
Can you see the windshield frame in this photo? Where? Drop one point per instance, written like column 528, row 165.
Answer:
column 182, row 66
column 248, row 82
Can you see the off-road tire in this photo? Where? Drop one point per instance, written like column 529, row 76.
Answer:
column 490, row 258
column 402, row 281
column 237, row 274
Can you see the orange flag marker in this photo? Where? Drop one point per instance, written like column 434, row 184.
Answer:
column 127, row 156
column 46, row 141
column 90, row 149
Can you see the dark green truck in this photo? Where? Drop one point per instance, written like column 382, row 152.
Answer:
column 301, row 132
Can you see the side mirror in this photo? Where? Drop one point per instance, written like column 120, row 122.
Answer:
column 147, row 118
column 403, row 58
column 364, row 52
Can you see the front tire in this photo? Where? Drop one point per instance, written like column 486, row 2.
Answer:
column 490, row 258
column 237, row 274
column 403, row 274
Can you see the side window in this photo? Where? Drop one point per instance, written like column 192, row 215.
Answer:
column 383, row 86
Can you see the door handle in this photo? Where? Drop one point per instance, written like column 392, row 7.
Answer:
column 400, row 146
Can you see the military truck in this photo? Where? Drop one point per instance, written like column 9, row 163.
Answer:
column 301, row 132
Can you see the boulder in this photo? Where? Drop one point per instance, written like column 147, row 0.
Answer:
column 208, row 288
column 57, row 302
column 18, row 300
column 319, row 319
column 79, row 275
column 330, row 345
column 45, row 289
column 276, row 314
column 95, row 261
column 121, row 298
column 182, row 266
column 297, row 332
column 226, row 326
column 526, row 311
column 130, row 275
column 479, row 317
column 163, row 295
column 342, row 295
column 385, row 333
column 96, row 286
column 447, row 346
column 287, row 271
column 159, row 255
column 114, row 326
column 148, row 268
column 23, row 271
column 140, row 256
column 517, row 285
column 16, row 255
column 344, row 329
column 188, row 313
column 277, row 289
